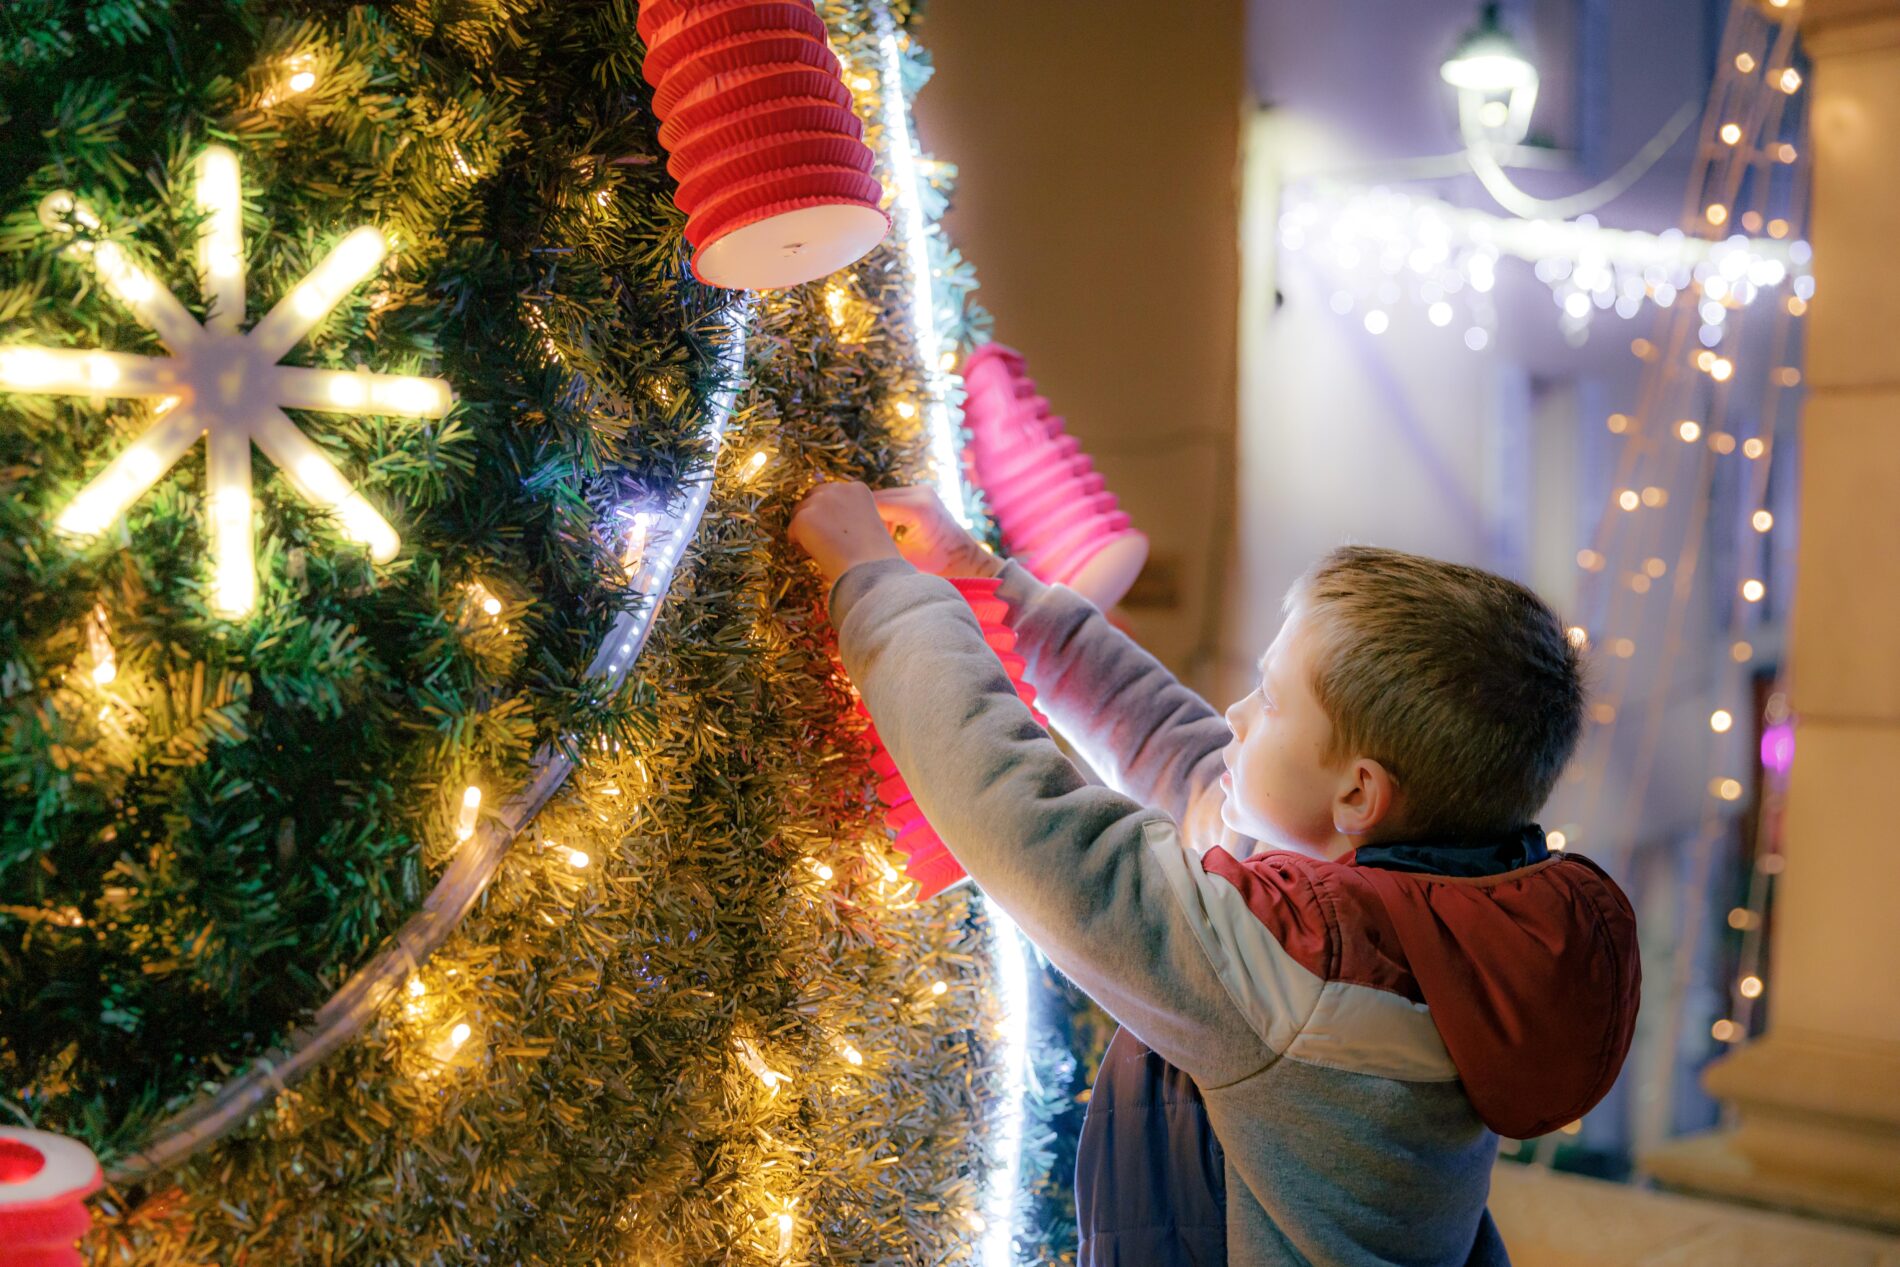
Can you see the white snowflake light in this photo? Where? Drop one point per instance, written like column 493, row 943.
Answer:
column 225, row 384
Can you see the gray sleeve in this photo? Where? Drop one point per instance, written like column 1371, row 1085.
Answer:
column 1088, row 874
column 1148, row 736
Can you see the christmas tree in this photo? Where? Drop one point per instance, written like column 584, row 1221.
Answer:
column 441, row 834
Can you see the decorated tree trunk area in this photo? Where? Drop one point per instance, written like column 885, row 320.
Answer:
column 440, row 832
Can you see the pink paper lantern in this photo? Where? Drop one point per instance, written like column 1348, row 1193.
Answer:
column 1054, row 510
column 927, row 860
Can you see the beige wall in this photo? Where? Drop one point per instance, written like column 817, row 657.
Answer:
column 1097, row 146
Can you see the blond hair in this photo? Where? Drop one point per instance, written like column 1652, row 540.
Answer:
column 1461, row 683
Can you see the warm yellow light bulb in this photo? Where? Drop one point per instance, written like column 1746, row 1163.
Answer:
column 1789, row 81
column 1721, row 720
column 471, row 811
column 1578, row 635
column 939, row 988
column 1722, row 369
column 1761, row 521
column 1619, row 423
column 234, row 590
column 1556, row 841
column 1753, row 447
column 416, row 988
column 1689, row 430
column 755, row 464
column 1716, row 213
column 1753, row 590
column 836, row 301
column 1628, row 499
column 1744, row 62
column 1741, row 652
column 1731, row 133
column 1725, row 1031
column 302, row 81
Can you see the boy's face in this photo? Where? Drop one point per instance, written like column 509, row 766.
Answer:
column 1281, row 788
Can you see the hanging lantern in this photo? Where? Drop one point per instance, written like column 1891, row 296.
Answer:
column 44, row 1182
column 1057, row 517
column 774, row 175
column 927, row 861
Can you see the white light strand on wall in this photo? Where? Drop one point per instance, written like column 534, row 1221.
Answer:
column 1379, row 248
column 1012, row 967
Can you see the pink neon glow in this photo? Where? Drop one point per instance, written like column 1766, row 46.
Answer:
column 1777, row 747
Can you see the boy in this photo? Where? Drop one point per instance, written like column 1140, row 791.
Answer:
column 1401, row 970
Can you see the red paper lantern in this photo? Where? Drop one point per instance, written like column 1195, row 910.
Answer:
column 773, row 172
column 44, row 1182
column 927, row 861
column 1054, row 510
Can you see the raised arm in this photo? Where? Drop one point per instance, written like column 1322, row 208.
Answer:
column 1149, row 736
column 1138, row 728
column 1098, row 881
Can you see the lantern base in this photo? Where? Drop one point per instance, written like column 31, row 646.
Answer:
column 791, row 248
column 1106, row 576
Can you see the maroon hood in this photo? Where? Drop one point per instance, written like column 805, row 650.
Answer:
column 1532, row 978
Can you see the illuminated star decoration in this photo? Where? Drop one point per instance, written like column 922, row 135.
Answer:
column 223, row 383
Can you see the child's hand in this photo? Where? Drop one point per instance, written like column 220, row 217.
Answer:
column 930, row 537
column 838, row 525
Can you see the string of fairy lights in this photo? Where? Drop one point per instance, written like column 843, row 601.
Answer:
column 924, row 251
column 1749, row 171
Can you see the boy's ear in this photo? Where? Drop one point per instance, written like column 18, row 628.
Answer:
column 1368, row 796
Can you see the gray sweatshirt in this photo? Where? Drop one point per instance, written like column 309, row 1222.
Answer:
column 1284, row 985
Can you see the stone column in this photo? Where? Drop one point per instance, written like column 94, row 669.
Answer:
column 1816, row 1100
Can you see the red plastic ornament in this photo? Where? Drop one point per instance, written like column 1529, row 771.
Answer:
column 44, row 1182
column 927, row 861
column 775, row 178
column 1056, row 515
